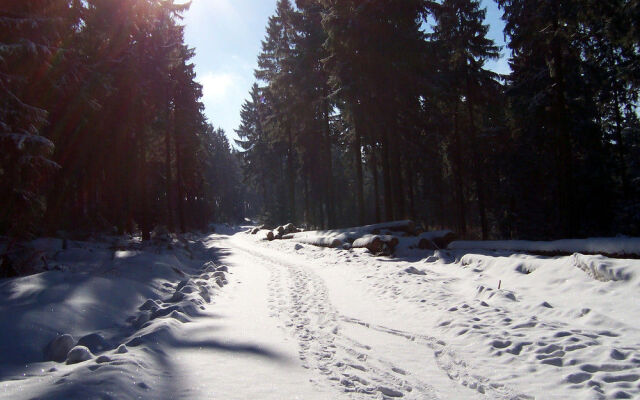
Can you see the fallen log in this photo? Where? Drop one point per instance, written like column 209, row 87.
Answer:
column 266, row 235
column 279, row 231
column 322, row 241
column 406, row 226
column 435, row 240
column 376, row 243
column 289, row 228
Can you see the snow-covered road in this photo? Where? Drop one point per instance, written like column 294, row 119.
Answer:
column 299, row 321
column 347, row 340
column 364, row 327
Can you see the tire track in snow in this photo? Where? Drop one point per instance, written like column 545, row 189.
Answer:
column 448, row 361
column 300, row 299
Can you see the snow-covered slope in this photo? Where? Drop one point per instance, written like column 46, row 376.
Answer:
column 117, row 307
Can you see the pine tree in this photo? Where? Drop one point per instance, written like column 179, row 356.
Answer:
column 462, row 39
column 313, row 108
column 253, row 141
column 275, row 68
column 554, row 120
column 30, row 36
column 372, row 46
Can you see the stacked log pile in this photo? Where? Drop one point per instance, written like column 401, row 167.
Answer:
column 379, row 239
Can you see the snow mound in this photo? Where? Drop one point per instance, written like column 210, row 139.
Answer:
column 414, row 271
column 94, row 342
column 79, row 354
column 103, row 359
column 58, row 348
column 602, row 269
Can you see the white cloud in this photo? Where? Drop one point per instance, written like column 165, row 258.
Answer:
column 216, row 86
column 222, row 95
column 206, row 11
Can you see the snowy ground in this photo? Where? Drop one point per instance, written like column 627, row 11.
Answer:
column 299, row 321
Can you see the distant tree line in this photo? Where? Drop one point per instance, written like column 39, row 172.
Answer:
column 366, row 111
column 101, row 123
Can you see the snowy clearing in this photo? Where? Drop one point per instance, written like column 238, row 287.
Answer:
column 232, row 316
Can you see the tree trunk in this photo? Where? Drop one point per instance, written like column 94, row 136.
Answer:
column 374, row 172
column 167, row 171
column 386, row 173
column 331, row 216
column 622, row 165
column 357, row 151
column 307, row 214
column 179, row 181
column 398, row 191
column 565, row 176
column 412, row 192
column 458, row 178
column 292, row 178
column 477, row 168
column 143, row 214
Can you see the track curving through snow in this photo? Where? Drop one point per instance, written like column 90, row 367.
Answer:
column 360, row 359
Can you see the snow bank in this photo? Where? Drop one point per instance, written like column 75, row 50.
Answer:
column 617, row 246
column 107, row 295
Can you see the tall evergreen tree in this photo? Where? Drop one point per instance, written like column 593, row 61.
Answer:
column 275, row 68
column 31, row 38
column 554, row 119
column 461, row 37
column 371, row 47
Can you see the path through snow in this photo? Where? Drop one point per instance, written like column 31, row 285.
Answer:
column 298, row 321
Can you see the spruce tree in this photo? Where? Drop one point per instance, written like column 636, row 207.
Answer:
column 275, row 69
column 461, row 36
column 30, row 33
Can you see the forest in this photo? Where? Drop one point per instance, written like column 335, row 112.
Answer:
column 369, row 111
column 362, row 111
column 101, row 124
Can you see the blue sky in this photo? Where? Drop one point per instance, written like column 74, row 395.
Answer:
column 227, row 34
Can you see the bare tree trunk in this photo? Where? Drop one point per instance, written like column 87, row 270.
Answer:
column 386, row 173
column 331, row 216
column 458, row 178
column 179, row 181
column 167, row 170
column 143, row 214
column 306, row 217
column 412, row 192
column 477, row 168
column 565, row 156
column 357, row 151
column 398, row 192
column 622, row 166
column 292, row 178
column 374, row 172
